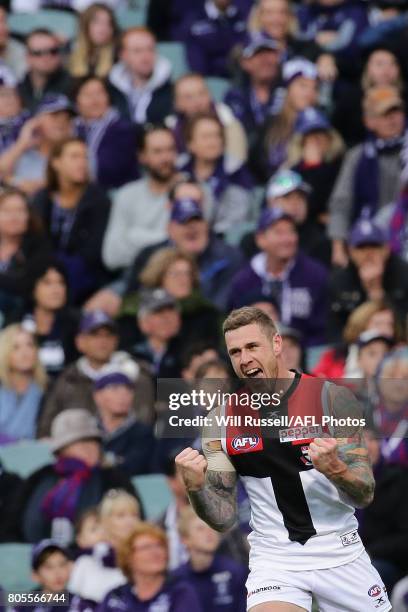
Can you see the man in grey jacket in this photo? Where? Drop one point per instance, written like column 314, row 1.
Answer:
column 370, row 175
column 139, row 212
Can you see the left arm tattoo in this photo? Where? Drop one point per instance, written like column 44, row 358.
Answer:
column 355, row 476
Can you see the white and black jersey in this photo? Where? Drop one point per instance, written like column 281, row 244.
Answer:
column 299, row 519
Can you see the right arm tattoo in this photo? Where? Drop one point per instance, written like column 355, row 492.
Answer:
column 216, row 502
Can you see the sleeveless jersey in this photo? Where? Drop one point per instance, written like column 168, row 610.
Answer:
column 299, row 519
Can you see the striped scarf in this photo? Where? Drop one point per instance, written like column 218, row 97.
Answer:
column 62, row 500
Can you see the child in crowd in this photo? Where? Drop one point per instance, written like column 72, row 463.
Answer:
column 99, row 536
column 51, row 568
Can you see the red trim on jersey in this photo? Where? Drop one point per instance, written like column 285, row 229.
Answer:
column 304, row 401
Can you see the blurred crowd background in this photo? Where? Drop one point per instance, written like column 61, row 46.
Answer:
column 161, row 163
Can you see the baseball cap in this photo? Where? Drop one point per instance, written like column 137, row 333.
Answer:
column 54, row 103
column 380, row 100
column 271, row 216
column 94, row 319
column 256, row 42
column 114, row 377
column 284, row 182
column 39, row 548
column 185, row 209
column 73, row 425
column 7, row 78
column 298, row 67
column 372, row 335
column 364, row 232
column 154, row 300
column 311, row 120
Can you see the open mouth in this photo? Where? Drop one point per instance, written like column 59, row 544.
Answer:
column 254, row 373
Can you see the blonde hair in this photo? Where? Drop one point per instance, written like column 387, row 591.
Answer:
column 246, row 316
column 79, row 61
column 7, row 339
column 159, row 263
column 295, row 148
column 358, row 319
column 254, row 19
column 114, row 499
column 124, row 552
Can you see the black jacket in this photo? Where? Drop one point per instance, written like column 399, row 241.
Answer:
column 383, row 524
column 28, row 263
column 58, row 83
column 9, row 483
column 346, row 293
column 28, row 523
column 133, row 447
column 82, row 249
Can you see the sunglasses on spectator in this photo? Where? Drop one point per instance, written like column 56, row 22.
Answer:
column 43, row 52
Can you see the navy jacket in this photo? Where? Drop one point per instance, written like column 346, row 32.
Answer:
column 132, row 444
column 174, row 596
column 248, row 110
column 210, row 37
column 220, row 588
column 80, row 251
column 304, row 297
column 115, row 155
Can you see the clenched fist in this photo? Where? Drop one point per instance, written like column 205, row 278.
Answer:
column 323, row 454
column 192, row 467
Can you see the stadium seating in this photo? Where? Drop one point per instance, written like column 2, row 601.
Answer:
column 15, row 567
column 313, row 355
column 154, row 492
column 62, row 22
column 174, row 51
column 218, row 87
column 131, row 17
column 25, row 457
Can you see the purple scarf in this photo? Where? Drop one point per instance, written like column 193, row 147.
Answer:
column 398, row 222
column 62, row 499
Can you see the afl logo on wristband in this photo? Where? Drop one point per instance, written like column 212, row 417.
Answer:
column 375, row 590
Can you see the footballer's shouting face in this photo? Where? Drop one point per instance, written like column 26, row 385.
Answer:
column 253, row 351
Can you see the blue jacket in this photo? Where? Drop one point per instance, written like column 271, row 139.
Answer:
column 251, row 113
column 174, row 596
column 220, row 588
column 304, row 296
column 210, row 37
column 349, row 19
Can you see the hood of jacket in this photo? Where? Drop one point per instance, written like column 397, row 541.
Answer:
column 121, row 77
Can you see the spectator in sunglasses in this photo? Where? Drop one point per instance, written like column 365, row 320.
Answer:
column 45, row 72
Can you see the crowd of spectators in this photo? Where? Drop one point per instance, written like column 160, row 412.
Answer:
column 136, row 210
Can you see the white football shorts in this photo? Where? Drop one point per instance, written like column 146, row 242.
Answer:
column 352, row 587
